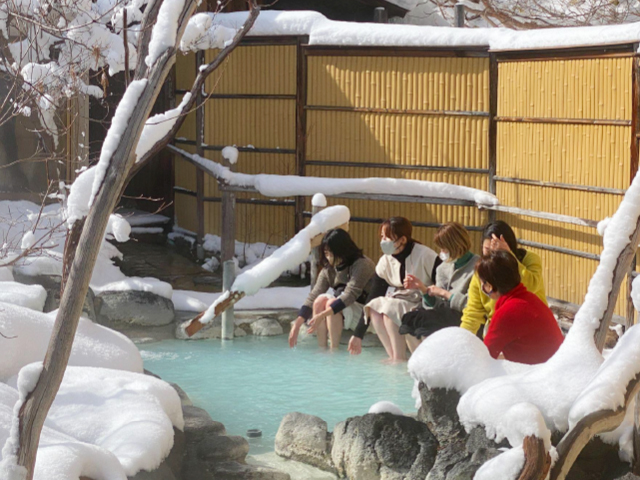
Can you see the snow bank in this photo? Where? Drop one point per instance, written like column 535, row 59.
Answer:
column 60, row 456
column 265, row 299
column 506, row 466
column 93, row 345
column 434, row 365
column 322, row 31
column 29, row 296
column 292, row 185
column 606, row 391
column 129, row 414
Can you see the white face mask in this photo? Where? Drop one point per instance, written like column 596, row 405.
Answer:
column 388, row 247
column 444, row 256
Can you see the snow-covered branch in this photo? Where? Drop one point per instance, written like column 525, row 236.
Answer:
column 287, row 257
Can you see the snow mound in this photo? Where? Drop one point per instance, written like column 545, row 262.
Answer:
column 129, row 414
column 28, row 335
column 385, row 407
column 29, row 296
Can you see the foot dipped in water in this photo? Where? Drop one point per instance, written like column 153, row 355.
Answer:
column 393, row 361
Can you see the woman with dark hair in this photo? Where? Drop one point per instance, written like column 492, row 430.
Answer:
column 442, row 303
column 498, row 236
column 336, row 300
column 522, row 329
column 388, row 300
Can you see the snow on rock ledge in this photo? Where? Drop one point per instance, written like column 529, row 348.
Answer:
column 29, row 296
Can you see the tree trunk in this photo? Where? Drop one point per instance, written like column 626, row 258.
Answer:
column 38, row 402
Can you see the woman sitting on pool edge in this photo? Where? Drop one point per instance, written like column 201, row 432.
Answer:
column 523, row 328
column 442, row 303
column 336, row 300
column 388, row 300
column 480, row 308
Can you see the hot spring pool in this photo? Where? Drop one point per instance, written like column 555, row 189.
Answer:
column 252, row 382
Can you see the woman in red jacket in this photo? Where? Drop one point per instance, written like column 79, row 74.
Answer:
column 523, row 328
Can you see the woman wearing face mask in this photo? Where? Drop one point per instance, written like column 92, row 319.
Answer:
column 522, row 329
column 336, row 300
column 389, row 300
column 498, row 236
column 443, row 302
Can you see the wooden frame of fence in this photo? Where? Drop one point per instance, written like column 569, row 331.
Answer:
column 302, row 108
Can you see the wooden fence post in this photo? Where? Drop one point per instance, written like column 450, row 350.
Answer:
column 228, row 317
column 318, row 203
column 199, row 173
column 635, row 130
column 301, row 126
column 493, row 127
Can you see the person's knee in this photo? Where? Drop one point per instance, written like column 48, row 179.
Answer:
column 320, row 303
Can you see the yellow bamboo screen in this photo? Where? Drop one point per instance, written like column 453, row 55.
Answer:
column 598, row 88
column 387, row 116
column 452, row 131
column 592, row 155
column 244, row 122
column 404, row 83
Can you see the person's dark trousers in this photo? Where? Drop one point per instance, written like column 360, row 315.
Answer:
column 422, row 322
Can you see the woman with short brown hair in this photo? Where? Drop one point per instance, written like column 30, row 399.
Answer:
column 443, row 302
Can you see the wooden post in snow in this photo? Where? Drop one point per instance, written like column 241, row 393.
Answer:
column 228, row 317
column 228, row 250
column 318, row 203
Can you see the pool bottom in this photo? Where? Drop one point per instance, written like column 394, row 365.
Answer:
column 253, row 382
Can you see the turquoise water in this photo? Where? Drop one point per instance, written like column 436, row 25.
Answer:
column 252, row 382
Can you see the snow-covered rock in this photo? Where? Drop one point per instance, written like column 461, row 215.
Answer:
column 29, row 296
column 29, row 332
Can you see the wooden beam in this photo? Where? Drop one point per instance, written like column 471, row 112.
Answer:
column 397, row 111
column 555, row 217
column 553, row 248
column 218, row 148
column 395, row 51
column 396, row 166
column 565, row 186
column 565, row 121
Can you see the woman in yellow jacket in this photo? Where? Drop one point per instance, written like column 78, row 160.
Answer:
column 499, row 236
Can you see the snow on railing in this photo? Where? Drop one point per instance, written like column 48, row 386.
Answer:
column 293, row 185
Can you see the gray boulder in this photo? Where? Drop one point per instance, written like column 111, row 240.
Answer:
column 383, row 447
column 223, row 448
column 134, row 307
column 266, row 327
column 198, row 425
column 439, row 412
column 304, row 438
